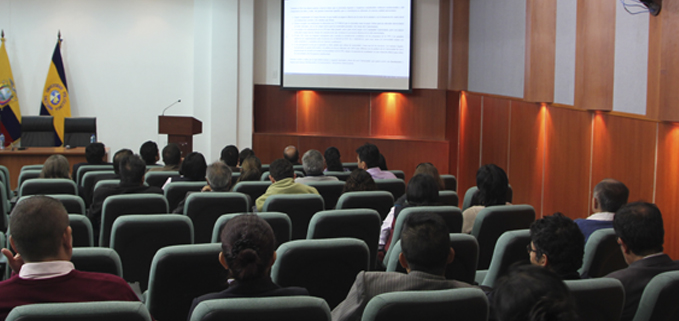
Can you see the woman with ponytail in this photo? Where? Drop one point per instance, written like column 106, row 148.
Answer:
column 493, row 184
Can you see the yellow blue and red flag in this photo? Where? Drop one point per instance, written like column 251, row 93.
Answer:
column 10, row 113
column 55, row 99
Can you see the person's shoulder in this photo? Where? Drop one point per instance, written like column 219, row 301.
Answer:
column 97, row 278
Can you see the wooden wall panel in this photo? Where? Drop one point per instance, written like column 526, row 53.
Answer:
column 667, row 186
column 275, row 110
column 452, row 129
column 470, row 138
column 419, row 115
column 526, row 154
column 459, row 46
column 333, row 113
column 495, row 137
column 669, row 64
column 269, row 147
column 540, row 51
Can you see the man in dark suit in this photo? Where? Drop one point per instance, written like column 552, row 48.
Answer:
column 425, row 253
column 640, row 231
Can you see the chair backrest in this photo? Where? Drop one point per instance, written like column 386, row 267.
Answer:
column 181, row 273
column 27, row 174
column 266, row 167
column 350, row 166
column 326, row 268
column 602, row 254
column 107, row 183
column 5, row 208
column 253, row 189
column 81, row 311
column 280, row 224
column 470, row 197
column 118, row 205
column 74, row 204
column 300, row 308
column 31, row 167
column 381, row 201
column 329, row 190
column 399, row 173
column 5, row 179
column 492, row 221
column 175, row 192
column 78, row 131
column 44, row 186
column 81, row 230
column 300, row 208
column 448, row 198
column 599, row 299
column 509, row 249
column 455, row 304
column 450, row 214
column 363, row 224
column 234, row 177
column 37, row 131
column 205, row 208
column 158, row 178
column 97, row 259
column 342, row 176
column 659, row 300
column 137, row 238
column 463, row 268
column 89, row 180
column 449, row 182
column 89, row 168
column 395, row 186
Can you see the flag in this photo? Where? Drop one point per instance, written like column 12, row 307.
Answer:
column 55, row 99
column 10, row 113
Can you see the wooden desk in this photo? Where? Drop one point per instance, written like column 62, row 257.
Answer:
column 15, row 159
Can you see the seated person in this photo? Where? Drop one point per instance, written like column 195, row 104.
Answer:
column 333, row 160
column 557, row 244
column 282, row 176
column 359, row 181
column 248, row 253
column 192, row 169
column 229, row 156
column 426, row 251
column 291, row 154
column 41, row 237
column 251, row 170
column 149, row 152
column 493, row 185
column 172, row 157
column 94, row 155
column 369, row 160
column 641, row 234
column 244, row 154
column 218, row 177
column 609, row 196
column 88, row 189
column 313, row 168
column 56, row 166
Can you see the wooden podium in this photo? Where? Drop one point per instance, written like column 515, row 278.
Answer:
column 180, row 130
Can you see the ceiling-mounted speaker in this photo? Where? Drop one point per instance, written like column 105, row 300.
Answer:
column 653, row 6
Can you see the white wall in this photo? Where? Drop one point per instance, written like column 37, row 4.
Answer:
column 564, row 62
column 631, row 61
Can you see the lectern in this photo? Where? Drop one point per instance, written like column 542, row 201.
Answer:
column 180, row 130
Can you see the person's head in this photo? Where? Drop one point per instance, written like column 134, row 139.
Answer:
column 639, row 227
column 132, row 170
column 244, row 154
column 609, row 196
column 251, row 169
column 368, row 156
column 56, row 166
column 422, row 190
column 425, row 244
column 332, row 159
column 382, row 164
column 359, row 180
column 281, row 169
column 230, row 155
column 193, row 167
column 530, row 293
column 39, row 230
column 118, row 156
column 312, row 162
column 557, row 243
column 94, row 153
column 430, row 169
column 493, row 184
column 172, row 155
column 247, row 247
column 218, row 177
column 149, row 152
column 291, row 154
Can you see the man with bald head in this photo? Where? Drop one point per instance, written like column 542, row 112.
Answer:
column 292, row 155
column 609, row 196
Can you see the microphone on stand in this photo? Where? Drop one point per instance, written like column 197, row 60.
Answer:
column 172, row 104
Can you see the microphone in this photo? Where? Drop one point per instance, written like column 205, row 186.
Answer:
column 172, row 104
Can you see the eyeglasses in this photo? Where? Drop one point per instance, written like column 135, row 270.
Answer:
column 530, row 249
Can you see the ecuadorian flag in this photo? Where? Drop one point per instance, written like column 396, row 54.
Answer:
column 55, row 99
column 10, row 113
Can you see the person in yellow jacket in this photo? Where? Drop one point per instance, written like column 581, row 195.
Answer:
column 282, row 175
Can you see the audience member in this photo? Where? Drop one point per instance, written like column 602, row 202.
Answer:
column 251, row 170
column 192, row 169
column 282, row 176
column 333, row 161
column 382, row 163
column 248, row 253
column 218, row 176
column 88, row 190
column 94, row 155
column 41, row 237
column 369, row 160
column 56, row 166
column 557, row 244
column 358, row 181
column 149, row 152
column 431, row 170
column 243, row 155
column 172, row 157
column 229, row 156
column 313, row 167
column 641, row 234
column 425, row 253
column 291, row 154
column 609, row 196
column 529, row 293
column 492, row 183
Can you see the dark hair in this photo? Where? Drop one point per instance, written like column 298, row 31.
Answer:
column 422, row 190
column 532, row 293
column 230, row 155
column 359, row 180
column 172, row 155
column 430, row 169
column 148, row 152
column 561, row 240
column 194, row 167
column 640, row 226
column 425, row 242
column 251, row 170
column 118, row 156
column 281, row 169
column 56, row 166
column 94, row 153
column 37, row 224
column 382, row 164
column 132, row 170
column 245, row 153
column 611, row 194
column 332, row 159
column 493, row 184
column 218, row 175
column 248, row 246
column 293, row 157
column 369, row 154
